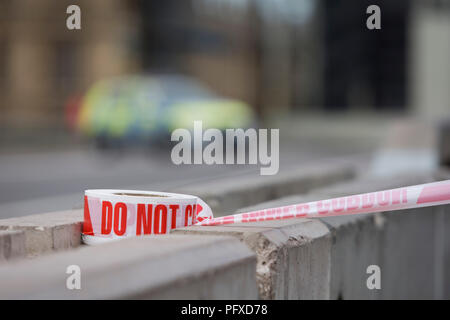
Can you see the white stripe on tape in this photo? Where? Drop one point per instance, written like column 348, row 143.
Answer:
column 115, row 214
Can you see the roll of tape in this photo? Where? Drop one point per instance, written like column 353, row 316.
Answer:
column 115, row 214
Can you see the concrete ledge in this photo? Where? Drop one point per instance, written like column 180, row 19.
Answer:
column 176, row 267
column 401, row 243
column 354, row 245
column 12, row 245
column 48, row 231
column 443, row 237
column 293, row 256
column 61, row 230
column 410, row 246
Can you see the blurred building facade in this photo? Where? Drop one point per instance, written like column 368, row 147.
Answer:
column 214, row 41
column 265, row 52
column 365, row 69
column 429, row 94
column 279, row 56
column 42, row 63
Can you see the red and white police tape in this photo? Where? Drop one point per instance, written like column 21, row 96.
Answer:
column 115, row 214
column 111, row 214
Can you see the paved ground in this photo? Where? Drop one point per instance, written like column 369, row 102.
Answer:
column 47, row 181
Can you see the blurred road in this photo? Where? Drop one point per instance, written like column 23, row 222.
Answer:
column 47, row 181
column 54, row 178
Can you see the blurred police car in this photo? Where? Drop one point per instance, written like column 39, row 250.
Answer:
column 137, row 109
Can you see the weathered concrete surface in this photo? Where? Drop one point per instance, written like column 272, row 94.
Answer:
column 443, row 239
column 444, row 234
column 48, row 231
column 410, row 260
column 228, row 195
column 295, row 259
column 408, row 245
column 12, row 245
column 401, row 243
column 293, row 256
column 158, row 267
column 355, row 242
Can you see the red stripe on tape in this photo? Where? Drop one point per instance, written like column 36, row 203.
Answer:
column 434, row 193
column 87, row 224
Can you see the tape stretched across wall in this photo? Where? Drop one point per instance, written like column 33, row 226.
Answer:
column 113, row 214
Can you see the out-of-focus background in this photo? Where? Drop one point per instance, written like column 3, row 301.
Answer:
column 94, row 108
